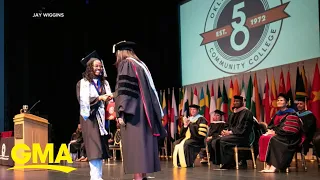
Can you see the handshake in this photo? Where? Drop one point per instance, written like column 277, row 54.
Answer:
column 105, row 97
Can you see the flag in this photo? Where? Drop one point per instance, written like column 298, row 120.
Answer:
column 185, row 107
column 224, row 105
column 212, row 103
column 164, row 109
column 207, row 105
column 243, row 92
column 305, row 81
column 289, row 91
column 282, row 88
column 179, row 122
column 230, row 97
column 249, row 93
column 266, row 101
column 300, row 90
column 180, row 100
column 169, row 107
column 201, row 102
column 253, row 103
column 195, row 97
column 219, row 98
column 256, row 106
column 315, row 95
column 236, row 88
column 174, row 116
column 273, row 97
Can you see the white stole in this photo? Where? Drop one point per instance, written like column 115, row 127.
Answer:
column 194, row 118
column 88, row 93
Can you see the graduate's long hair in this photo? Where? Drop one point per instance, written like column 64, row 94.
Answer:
column 89, row 73
column 124, row 54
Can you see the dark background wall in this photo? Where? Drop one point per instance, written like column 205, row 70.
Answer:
column 1, row 66
column 42, row 55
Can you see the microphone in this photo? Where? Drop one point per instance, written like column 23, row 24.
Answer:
column 33, row 106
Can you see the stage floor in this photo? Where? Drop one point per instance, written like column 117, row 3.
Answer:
column 114, row 171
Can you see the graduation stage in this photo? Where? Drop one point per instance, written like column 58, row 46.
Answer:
column 114, row 171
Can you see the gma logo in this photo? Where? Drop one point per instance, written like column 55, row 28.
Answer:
column 23, row 157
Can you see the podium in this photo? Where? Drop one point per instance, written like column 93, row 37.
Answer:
column 30, row 129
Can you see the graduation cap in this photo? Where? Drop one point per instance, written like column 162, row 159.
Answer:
column 238, row 97
column 284, row 96
column 303, row 98
column 91, row 57
column 194, row 106
column 123, row 45
column 217, row 111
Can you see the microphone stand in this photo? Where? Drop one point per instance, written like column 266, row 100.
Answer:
column 33, row 107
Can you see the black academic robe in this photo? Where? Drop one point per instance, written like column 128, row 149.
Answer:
column 95, row 147
column 216, row 128
column 190, row 143
column 309, row 128
column 282, row 146
column 138, row 105
column 214, row 132
column 240, row 123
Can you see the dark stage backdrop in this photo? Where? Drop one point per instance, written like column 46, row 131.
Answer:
column 42, row 55
column 2, row 86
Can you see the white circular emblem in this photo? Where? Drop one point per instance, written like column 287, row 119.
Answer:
column 239, row 35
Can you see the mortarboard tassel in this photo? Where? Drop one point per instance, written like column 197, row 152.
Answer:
column 104, row 69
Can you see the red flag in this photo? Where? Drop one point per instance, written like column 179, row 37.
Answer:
column 282, row 88
column 315, row 95
column 266, row 101
column 273, row 97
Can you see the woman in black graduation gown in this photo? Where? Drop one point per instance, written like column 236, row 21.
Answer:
column 138, row 112
column 93, row 92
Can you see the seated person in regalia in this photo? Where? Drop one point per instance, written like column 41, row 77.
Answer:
column 191, row 140
column 309, row 121
column 215, row 128
column 279, row 144
column 236, row 133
